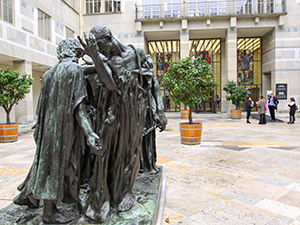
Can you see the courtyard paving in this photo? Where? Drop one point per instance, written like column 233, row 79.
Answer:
column 240, row 174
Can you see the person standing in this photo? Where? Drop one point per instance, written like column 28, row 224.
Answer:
column 292, row 106
column 272, row 104
column 261, row 105
column 249, row 106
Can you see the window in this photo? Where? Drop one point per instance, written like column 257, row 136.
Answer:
column 6, row 10
column 102, row 6
column 108, row 6
column 69, row 33
column 117, row 6
column 93, row 6
column 44, row 25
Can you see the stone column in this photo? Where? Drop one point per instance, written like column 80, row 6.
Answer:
column 223, row 74
column 184, row 44
column 24, row 110
column 230, row 61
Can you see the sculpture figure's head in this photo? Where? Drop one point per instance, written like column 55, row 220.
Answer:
column 106, row 43
column 69, row 48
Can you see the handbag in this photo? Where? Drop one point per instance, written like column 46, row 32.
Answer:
column 296, row 107
column 266, row 107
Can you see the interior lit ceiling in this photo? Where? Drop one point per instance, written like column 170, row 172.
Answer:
column 163, row 47
column 209, row 45
column 248, row 44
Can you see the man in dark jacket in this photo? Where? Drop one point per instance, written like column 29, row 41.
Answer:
column 249, row 106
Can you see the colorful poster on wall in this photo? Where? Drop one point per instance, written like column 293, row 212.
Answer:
column 160, row 62
column 163, row 62
column 245, row 67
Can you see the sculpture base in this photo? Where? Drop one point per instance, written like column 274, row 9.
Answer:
column 148, row 191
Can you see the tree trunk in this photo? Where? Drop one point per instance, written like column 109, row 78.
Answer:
column 190, row 116
column 7, row 118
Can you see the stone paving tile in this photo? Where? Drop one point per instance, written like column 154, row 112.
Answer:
column 228, row 214
column 292, row 173
column 282, row 181
column 284, row 148
column 248, row 143
column 282, row 220
column 241, row 196
column 291, row 198
column 279, row 208
column 232, row 147
column 261, row 189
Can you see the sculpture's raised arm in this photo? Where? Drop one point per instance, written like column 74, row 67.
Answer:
column 105, row 75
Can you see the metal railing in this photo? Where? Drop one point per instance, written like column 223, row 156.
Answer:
column 210, row 8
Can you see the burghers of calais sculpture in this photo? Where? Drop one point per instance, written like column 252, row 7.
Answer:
column 97, row 128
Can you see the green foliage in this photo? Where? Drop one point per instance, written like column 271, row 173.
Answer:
column 237, row 94
column 13, row 88
column 189, row 81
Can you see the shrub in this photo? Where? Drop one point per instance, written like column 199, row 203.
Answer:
column 13, row 88
column 237, row 94
column 189, row 81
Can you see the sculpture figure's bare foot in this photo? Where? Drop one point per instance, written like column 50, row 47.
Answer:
column 30, row 202
column 59, row 218
column 127, row 203
column 52, row 215
column 104, row 212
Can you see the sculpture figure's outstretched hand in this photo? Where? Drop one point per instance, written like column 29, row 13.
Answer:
column 95, row 143
column 161, row 120
column 90, row 45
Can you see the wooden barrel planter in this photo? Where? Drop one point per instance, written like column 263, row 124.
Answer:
column 185, row 114
column 236, row 114
column 8, row 132
column 190, row 133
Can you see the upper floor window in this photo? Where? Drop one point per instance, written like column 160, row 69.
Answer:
column 102, row 6
column 69, row 33
column 93, row 6
column 44, row 25
column 6, row 10
column 112, row 5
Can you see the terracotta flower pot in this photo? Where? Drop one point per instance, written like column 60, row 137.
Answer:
column 191, row 133
column 8, row 132
column 236, row 114
column 185, row 114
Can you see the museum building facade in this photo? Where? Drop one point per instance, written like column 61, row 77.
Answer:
column 253, row 42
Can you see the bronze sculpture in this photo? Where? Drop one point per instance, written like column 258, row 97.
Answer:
column 61, row 123
column 117, row 102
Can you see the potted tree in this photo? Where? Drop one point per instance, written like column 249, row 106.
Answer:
column 190, row 81
column 13, row 88
column 237, row 95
